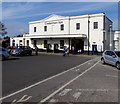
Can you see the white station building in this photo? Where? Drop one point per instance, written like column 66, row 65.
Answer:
column 86, row 32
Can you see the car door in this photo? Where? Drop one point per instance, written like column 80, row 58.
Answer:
column 113, row 58
column 107, row 56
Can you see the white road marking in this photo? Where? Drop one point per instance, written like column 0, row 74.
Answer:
column 23, row 99
column 77, row 95
column 64, row 92
column 53, row 100
column 112, row 76
column 55, row 92
column 33, row 85
column 77, row 70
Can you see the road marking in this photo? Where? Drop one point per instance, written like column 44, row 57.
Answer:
column 33, row 85
column 77, row 95
column 53, row 100
column 55, row 92
column 23, row 99
column 64, row 92
column 111, row 76
column 77, row 70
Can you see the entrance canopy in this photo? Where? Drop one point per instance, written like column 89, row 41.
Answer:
column 58, row 36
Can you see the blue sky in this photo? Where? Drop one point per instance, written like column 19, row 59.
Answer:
column 16, row 15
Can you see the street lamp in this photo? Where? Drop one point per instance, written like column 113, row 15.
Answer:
column 88, row 33
column 110, row 26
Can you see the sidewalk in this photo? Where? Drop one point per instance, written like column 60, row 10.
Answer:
column 60, row 54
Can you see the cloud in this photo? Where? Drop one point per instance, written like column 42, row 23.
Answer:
column 20, row 10
column 61, row 1
column 16, row 28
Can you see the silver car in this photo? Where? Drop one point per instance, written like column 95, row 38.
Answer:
column 3, row 53
column 111, row 57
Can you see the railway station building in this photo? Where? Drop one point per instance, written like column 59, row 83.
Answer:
column 83, row 32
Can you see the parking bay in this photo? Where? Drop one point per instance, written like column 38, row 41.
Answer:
column 19, row 72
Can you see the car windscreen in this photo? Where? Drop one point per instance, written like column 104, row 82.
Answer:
column 118, row 53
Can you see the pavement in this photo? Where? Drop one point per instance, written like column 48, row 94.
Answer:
column 87, row 82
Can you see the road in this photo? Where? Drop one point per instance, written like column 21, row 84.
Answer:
column 19, row 72
column 87, row 81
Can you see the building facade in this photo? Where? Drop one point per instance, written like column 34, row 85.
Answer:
column 20, row 41
column 85, row 32
column 116, row 40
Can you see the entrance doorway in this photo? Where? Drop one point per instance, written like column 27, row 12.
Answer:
column 78, row 45
column 55, row 48
column 35, row 42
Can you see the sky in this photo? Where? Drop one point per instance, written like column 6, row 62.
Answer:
column 17, row 15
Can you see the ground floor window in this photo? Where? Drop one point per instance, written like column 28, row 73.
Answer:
column 45, row 43
column 61, row 44
column 13, row 43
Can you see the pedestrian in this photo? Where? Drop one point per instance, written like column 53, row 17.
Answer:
column 36, row 50
column 65, row 51
column 73, row 50
column 79, row 51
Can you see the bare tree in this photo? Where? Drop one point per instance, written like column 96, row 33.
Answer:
column 3, row 31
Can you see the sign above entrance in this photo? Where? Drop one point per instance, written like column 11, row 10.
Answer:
column 53, row 22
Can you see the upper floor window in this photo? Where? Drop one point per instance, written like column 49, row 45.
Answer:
column 95, row 25
column 77, row 26
column 62, row 27
column 45, row 28
column 34, row 29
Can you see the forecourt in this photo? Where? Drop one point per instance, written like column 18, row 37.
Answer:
column 20, row 72
column 87, row 82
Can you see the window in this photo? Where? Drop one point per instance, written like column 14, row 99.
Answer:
column 34, row 29
column 27, row 42
column 95, row 25
column 77, row 26
column 20, row 40
column 13, row 43
column 61, row 44
column 62, row 27
column 45, row 28
column 45, row 43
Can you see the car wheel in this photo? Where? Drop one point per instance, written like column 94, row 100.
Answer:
column 103, row 61
column 118, row 65
column 3, row 57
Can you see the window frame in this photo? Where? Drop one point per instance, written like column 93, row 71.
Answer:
column 62, row 27
column 77, row 26
column 45, row 28
column 35, row 29
column 95, row 25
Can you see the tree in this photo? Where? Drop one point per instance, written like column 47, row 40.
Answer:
column 2, row 29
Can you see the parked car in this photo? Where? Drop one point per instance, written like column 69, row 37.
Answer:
column 111, row 57
column 21, row 50
column 9, row 48
column 3, row 54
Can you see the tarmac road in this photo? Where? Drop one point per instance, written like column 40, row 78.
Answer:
column 19, row 72
column 88, row 82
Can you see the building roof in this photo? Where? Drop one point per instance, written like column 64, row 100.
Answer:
column 56, row 17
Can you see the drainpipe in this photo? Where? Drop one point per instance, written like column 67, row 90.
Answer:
column 69, row 32
column 88, row 33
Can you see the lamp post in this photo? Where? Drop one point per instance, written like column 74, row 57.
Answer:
column 88, row 33
column 110, row 26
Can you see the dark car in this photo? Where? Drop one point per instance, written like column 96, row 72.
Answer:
column 10, row 48
column 21, row 50
column 3, row 53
